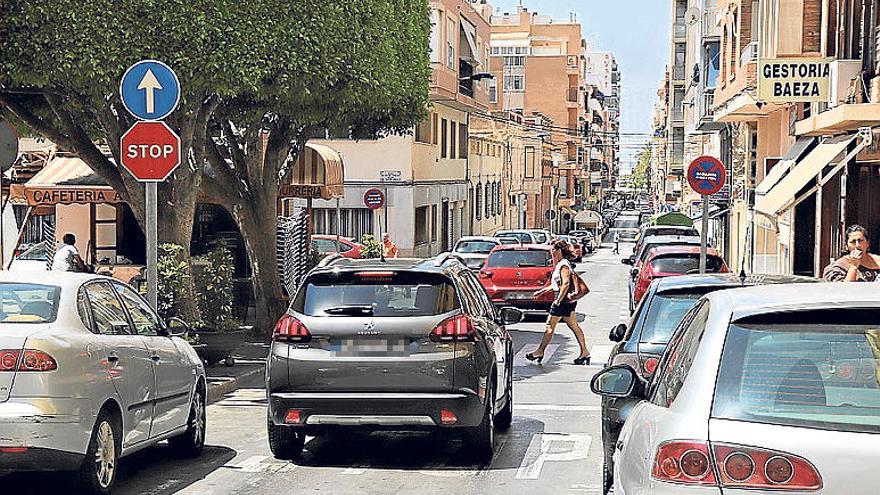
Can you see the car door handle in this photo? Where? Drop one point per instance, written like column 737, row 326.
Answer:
column 619, row 445
column 113, row 357
column 155, row 357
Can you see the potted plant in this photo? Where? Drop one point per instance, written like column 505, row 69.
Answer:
column 372, row 247
column 173, row 280
column 218, row 329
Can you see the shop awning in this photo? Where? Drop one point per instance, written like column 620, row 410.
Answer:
column 566, row 210
column 801, row 174
column 64, row 180
column 470, row 33
column 317, row 173
column 795, row 153
column 588, row 218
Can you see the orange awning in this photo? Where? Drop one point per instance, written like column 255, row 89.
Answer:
column 64, row 180
column 317, row 173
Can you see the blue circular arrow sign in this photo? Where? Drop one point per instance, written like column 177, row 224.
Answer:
column 150, row 90
column 706, row 175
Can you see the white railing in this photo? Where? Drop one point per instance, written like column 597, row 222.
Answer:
column 710, row 23
column 749, row 53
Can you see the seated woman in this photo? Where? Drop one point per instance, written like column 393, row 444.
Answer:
column 858, row 265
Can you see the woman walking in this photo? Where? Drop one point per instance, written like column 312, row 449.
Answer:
column 562, row 307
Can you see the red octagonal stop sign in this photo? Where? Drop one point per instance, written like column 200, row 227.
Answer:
column 150, row 151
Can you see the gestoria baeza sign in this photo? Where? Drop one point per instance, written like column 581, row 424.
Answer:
column 792, row 80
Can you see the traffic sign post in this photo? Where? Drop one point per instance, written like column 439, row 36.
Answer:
column 706, row 176
column 150, row 150
column 374, row 199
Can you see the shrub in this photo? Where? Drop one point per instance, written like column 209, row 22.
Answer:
column 372, row 247
column 213, row 284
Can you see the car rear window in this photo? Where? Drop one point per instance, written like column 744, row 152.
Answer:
column 670, row 231
column 508, row 240
column 816, row 374
column 479, row 247
column 664, row 314
column 372, row 293
column 28, row 303
column 682, row 264
column 522, row 237
column 519, row 258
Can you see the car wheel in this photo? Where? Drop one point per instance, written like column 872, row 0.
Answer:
column 98, row 471
column 482, row 438
column 505, row 416
column 285, row 442
column 192, row 441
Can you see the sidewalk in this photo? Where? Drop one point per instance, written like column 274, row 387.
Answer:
column 250, row 364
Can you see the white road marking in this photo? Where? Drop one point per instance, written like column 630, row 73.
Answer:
column 354, row 471
column 600, row 353
column 555, row 407
column 520, row 358
column 249, row 465
column 552, row 447
column 262, row 464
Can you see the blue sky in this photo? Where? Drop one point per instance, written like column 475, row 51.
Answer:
column 637, row 31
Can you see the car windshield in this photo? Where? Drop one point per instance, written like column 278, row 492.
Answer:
column 478, row 247
column 684, row 263
column 380, row 294
column 813, row 373
column 670, row 231
column 664, row 314
column 519, row 258
column 540, row 237
column 28, row 303
column 522, row 237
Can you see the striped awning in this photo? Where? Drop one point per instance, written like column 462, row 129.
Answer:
column 317, row 173
column 64, row 180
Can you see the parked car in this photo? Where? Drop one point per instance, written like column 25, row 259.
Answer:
column 512, row 274
column 523, row 236
column 88, row 374
column 397, row 345
column 328, row 244
column 760, row 390
column 641, row 343
column 648, row 230
column 668, row 261
column 35, row 258
column 542, row 236
column 646, row 242
column 576, row 248
column 587, row 239
column 474, row 250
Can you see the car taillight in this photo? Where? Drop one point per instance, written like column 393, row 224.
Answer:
column 751, row 467
column 26, row 360
column 649, row 364
column 485, row 274
column 456, row 328
column 289, row 329
column 683, row 462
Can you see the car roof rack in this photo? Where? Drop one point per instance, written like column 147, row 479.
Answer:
column 331, row 259
column 446, row 257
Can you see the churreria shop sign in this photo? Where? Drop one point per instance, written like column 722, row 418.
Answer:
column 792, row 80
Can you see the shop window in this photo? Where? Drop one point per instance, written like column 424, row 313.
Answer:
column 423, row 130
column 433, row 223
column 421, row 225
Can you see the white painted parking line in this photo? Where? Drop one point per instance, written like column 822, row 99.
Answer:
column 520, row 358
column 555, row 407
column 262, row 464
column 552, row 447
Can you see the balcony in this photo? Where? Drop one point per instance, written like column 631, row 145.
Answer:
column 678, row 73
column 707, row 112
column 679, row 29
column 840, row 119
column 710, row 26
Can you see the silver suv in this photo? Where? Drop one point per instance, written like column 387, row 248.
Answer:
column 391, row 345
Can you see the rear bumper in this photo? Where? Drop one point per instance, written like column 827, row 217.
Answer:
column 519, row 298
column 321, row 411
column 46, row 434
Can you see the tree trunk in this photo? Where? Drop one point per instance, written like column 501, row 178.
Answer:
column 175, row 226
column 256, row 221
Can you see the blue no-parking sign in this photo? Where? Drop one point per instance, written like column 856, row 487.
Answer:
column 150, row 90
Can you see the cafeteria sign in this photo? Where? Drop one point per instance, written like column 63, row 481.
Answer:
column 793, row 80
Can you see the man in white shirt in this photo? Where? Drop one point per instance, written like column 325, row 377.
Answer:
column 67, row 258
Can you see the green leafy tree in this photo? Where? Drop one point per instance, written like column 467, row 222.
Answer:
column 257, row 78
column 642, row 168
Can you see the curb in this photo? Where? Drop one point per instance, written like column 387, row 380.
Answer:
column 216, row 391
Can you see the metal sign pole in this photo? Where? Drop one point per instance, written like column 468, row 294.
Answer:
column 152, row 245
column 704, row 234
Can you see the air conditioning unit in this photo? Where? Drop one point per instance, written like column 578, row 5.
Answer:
column 844, row 73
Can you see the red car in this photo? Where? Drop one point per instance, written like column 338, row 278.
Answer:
column 668, row 261
column 326, row 244
column 514, row 272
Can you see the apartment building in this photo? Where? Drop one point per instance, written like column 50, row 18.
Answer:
column 538, row 66
column 429, row 198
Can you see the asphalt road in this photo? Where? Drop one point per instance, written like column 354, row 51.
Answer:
column 553, row 446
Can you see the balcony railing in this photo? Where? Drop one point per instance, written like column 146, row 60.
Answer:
column 710, row 24
column 679, row 29
column 708, row 104
column 678, row 73
column 749, row 53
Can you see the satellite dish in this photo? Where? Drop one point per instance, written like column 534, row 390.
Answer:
column 692, row 16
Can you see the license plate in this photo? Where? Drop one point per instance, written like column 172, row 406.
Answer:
column 375, row 347
column 520, row 295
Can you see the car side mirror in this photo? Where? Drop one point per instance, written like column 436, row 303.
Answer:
column 177, row 327
column 627, row 261
column 510, row 316
column 616, row 334
column 619, row 381
column 634, row 273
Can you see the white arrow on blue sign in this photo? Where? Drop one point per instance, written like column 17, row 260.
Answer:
column 150, row 90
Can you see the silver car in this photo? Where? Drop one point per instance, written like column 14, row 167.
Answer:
column 474, row 250
column 761, row 390
column 395, row 345
column 89, row 374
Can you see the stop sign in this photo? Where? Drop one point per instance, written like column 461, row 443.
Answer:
column 150, row 151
